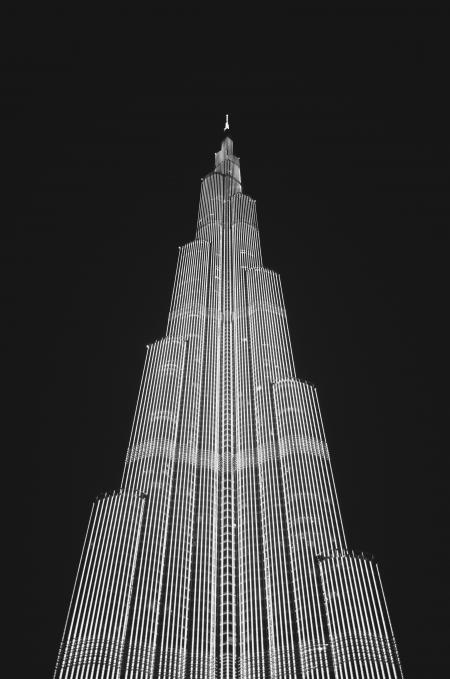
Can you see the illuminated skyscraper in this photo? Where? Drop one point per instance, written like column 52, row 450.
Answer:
column 223, row 554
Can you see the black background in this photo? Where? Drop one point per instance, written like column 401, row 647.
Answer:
column 109, row 122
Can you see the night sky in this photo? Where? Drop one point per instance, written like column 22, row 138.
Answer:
column 108, row 124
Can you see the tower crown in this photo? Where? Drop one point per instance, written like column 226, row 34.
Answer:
column 227, row 163
column 226, row 152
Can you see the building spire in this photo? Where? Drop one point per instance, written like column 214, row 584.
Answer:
column 227, row 125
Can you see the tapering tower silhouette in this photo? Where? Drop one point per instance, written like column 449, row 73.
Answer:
column 223, row 554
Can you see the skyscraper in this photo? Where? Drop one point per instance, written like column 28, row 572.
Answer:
column 223, row 554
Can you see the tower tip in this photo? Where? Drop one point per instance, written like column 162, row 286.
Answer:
column 227, row 125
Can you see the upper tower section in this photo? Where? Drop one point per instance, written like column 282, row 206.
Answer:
column 227, row 163
column 218, row 187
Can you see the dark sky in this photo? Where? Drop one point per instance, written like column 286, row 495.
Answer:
column 108, row 124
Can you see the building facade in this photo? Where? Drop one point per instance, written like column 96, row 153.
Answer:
column 223, row 554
